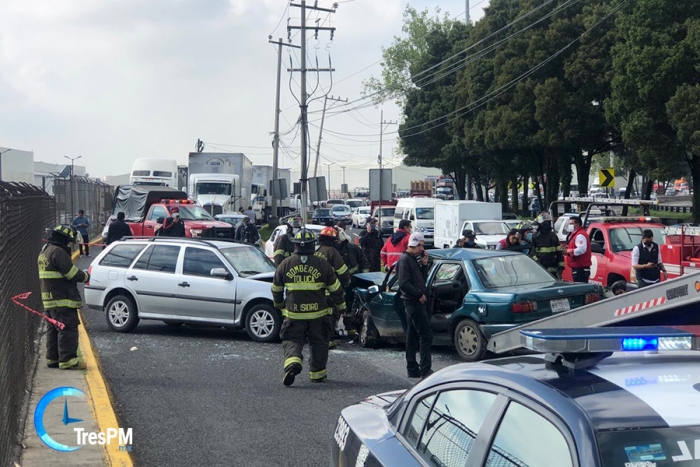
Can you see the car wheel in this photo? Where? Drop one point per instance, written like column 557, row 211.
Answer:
column 369, row 336
column 174, row 323
column 121, row 314
column 263, row 323
column 469, row 341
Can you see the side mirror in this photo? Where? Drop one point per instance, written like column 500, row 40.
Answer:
column 597, row 248
column 373, row 290
column 220, row 272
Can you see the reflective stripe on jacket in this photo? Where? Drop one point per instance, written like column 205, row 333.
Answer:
column 59, row 277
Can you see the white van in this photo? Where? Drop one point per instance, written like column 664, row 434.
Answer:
column 421, row 213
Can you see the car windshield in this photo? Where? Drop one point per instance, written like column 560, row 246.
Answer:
column 341, row 208
column 213, row 188
column 660, row 447
column 248, row 261
column 323, row 212
column 425, row 213
column 386, row 212
column 365, row 211
column 353, row 203
column 626, row 238
column 490, row 228
column 194, row 213
column 335, row 201
column 510, row 270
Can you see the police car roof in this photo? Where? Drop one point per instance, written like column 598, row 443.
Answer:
column 626, row 390
column 469, row 253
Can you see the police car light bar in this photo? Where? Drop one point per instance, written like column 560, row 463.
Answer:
column 612, row 339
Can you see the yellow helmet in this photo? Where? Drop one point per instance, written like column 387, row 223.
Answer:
column 67, row 231
column 304, row 237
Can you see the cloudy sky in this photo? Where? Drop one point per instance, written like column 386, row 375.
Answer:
column 113, row 81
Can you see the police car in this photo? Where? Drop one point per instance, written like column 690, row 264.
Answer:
column 608, row 397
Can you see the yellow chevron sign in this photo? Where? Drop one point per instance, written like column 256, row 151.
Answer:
column 607, row 178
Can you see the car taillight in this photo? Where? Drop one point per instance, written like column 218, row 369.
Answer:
column 89, row 274
column 523, row 307
column 591, row 297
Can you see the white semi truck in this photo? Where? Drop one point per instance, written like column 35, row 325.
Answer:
column 154, row 172
column 221, row 182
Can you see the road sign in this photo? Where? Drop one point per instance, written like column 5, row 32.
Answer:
column 607, row 178
column 375, row 183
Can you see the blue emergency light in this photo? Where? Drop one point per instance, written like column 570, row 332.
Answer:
column 612, row 339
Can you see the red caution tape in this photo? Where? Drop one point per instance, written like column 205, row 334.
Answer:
column 24, row 296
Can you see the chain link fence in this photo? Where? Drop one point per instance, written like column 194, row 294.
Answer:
column 26, row 212
column 93, row 197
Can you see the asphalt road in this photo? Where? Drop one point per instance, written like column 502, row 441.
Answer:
column 201, row 395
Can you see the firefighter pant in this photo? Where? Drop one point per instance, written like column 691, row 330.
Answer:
column 296, row 332
column 62, row 345
column 85, row 246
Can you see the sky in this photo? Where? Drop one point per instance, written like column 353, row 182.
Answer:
column 112, row 81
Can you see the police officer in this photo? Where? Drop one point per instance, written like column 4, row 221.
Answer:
column 284, row 248
column 548, row 250
column 328, row 238
column 61, row 299
column 309, row 282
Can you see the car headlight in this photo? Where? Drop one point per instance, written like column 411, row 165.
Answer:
column 196, row 232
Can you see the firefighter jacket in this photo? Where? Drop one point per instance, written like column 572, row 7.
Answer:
column 394, row 247
column 284, row 248
column 330, row 254
column 354, row 258
column 548, row 252
column 310, row 284
column 59, row 278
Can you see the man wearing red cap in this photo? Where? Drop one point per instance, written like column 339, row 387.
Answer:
column 173, row 226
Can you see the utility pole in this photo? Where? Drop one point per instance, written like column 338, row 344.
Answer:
column 304, row 97
column 320, row 132
column 380, row 159
column 343, row 167
column 329, row 179
column 72, row 190
column 466, row 15
column 273, row 220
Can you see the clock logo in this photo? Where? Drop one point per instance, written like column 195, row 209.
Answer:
column 49, row 397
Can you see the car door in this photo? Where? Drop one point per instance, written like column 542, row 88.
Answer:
column 447, row 286
column 204, row 297
column 387, row 307
column 599, row 262
column 152, row 221
column 153, row 279
column 270, row 244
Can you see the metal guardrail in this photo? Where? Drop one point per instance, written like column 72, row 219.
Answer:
column 26, row 212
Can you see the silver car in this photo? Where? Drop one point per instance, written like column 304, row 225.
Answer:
column 185, row 280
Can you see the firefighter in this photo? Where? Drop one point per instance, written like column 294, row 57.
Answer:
column 548, row 250
column 61, row 299
column 310, row 282
column 328, row 239
column 284, row 248
column 356, row 262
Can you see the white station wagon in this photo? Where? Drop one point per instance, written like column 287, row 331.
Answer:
column 185, row 280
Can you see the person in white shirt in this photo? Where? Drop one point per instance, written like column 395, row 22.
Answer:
column 647, row 262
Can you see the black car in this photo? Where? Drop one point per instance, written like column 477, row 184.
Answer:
column 322, row 216
column 568, row 409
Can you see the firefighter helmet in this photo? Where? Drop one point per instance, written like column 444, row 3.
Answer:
column 544, row 217
column 524, row 226
column 304, row 237
column 329, row 232
column 67, row 231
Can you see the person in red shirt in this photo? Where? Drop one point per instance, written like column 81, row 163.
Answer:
column 396, row 244
column 578, row 251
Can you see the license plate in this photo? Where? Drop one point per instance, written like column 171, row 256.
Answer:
column 559, row 305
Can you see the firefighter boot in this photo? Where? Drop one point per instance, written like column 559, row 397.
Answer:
column 290, row 373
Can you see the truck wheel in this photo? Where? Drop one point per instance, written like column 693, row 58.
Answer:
column 369, row 336
column 121, row 314
column 469, row 341
column 263, row 323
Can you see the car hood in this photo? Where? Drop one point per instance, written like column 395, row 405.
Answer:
column 207, row 224
column 547, row 289
column 367, row 279
column 263, row 276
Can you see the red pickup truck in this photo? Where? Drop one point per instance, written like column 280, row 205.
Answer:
column 612, row 241
column 144, row 206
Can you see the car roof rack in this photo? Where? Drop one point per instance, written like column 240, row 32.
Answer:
column 576, row 349
column 652, row 305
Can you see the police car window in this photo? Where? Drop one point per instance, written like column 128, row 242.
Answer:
column 415, row 424
column 121, row 256
column 452, row 426
column 162, row 258
column 158, row 211
column 524, row 437
column 200, row 262
column 660, row 447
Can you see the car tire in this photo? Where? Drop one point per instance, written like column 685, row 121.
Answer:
column 369, row 335
column 121, row 314
column 174, row 323
column 263, row 323
column 469, row 341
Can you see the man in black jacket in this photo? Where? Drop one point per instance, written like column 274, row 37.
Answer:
column 372, row 242
column 118, row 229
column 413, row 271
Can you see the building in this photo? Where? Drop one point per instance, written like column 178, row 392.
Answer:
column 16, row 165
column 45, row 172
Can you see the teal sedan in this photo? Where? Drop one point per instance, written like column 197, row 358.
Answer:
column 472, row 294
